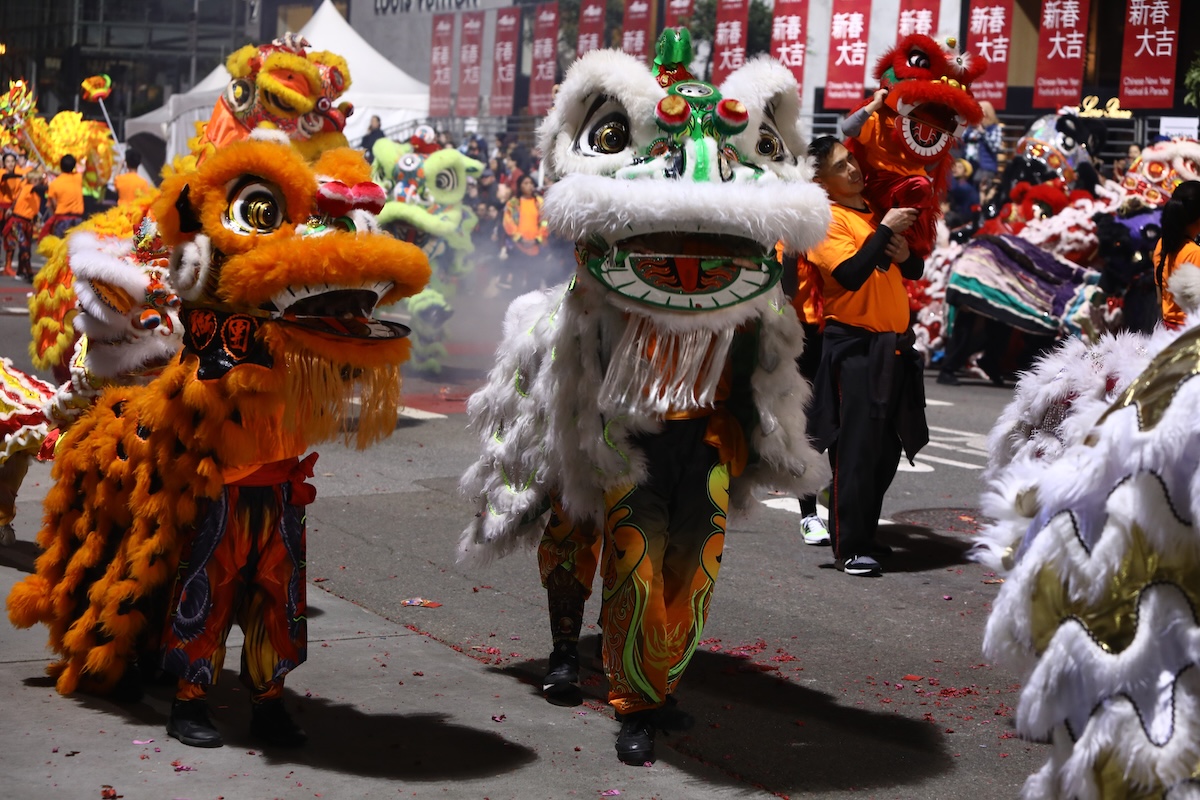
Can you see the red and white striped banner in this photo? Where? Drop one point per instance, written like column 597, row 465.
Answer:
column 849, row 28
column 545, row 58
column 635, row 33
column 591, row 27
column 1062, row 43
column 441, row 73
column 789, row 35
column 470, row 52
column 1148, row 59
column 989, row 33
column 504, row 61
column 729, row 40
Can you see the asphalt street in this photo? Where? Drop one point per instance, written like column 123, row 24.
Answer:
column 809, row 683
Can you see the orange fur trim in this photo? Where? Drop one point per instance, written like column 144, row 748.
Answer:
column 344, row 164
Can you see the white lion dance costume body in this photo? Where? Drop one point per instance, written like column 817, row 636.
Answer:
column 1095, row 486
column 637, row 399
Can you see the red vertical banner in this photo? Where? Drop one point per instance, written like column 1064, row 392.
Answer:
column 440, row 71
column 789, row 35
column 1148, row 60
column 849, row 27
column 678, row 12
column 504, row 61
column 635, row 33
column 545, row 58
column 918, row 16
column 1062, row 43
column 729, row 40
column 989, row 33
column 591, row 26
column 470, row 50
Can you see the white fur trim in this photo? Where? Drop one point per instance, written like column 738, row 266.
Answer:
column 191, row 264
column 769, row 91
column 1184, row 284
column 581, row 205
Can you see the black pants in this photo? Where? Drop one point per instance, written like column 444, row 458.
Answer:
column 864, row 458
column 972, row 333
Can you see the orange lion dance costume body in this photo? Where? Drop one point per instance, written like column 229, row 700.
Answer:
column 903, row 142
column 196, row 475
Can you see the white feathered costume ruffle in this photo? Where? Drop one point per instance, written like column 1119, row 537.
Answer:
column 545, row 432
column 1096, row 509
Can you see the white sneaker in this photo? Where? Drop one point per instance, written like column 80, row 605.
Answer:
column 814, row 531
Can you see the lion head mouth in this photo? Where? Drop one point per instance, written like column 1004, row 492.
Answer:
column 343, row 311
column 684, row 271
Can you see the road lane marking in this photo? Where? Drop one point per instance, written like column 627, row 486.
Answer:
column 792, row 505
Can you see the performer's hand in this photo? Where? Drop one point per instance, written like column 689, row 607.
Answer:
column 876, row 100
column 899, row 219
column 897, row 249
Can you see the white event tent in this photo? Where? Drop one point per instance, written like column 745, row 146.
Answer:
column 377, row 87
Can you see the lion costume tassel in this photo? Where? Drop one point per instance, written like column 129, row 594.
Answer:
column 279, row 271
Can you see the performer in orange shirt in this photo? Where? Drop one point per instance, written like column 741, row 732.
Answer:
column 1180, row 227
column 18, row 226
column 868, row 395
column 65, row 196
column 130, row 184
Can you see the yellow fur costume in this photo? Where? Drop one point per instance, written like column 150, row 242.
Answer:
column 246, row 229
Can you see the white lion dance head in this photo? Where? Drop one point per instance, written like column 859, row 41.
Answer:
column 660, row 182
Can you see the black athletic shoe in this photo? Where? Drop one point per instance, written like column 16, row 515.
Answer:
column 189, row 723
column 635, row 742
column 947, row 378
column 271, row 723
column 862, row 566
column 561, row 684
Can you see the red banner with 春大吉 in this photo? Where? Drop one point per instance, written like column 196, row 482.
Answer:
column 729, row 39
column 591, row 27
column 545, row 58
column 635, row 32
column 849, row 27
column 918, row 16
column 470, row 51
column 504, row 61
column 1062, row 45
column 789, row 35
column 441, row 73
column 1148, row 59
column 989, row 33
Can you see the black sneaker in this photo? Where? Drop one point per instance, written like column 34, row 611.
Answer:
column 635, row 742
column 189, row 723
column 947, row 378
column 863, row 566
column 561, row 684
column 271, row 723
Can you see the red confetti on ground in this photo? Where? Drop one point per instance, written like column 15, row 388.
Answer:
column 109, row 793
column 419, row 674
column 911, row 677
column 499, row 718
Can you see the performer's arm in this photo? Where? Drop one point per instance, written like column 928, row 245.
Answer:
column 854, row 271
column 852, row 125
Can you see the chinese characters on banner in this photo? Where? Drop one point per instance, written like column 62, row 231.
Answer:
column 789, row 35
column 989, row 33
column 440, row 71
column 469, row 53
column 1148, row 57
column 635, row 32
column 504, row 68
column 677, row 11
column 545, row 59
column 849, row 27
column 591, row 27
column 1062, row 42
column 918, row 16
column 729, row 40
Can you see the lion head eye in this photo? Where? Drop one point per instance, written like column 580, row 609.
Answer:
column 255, row 207
column 769, row 145
column 610, row 136
column 446, row 180
column 918, row 59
